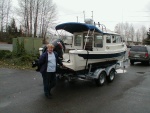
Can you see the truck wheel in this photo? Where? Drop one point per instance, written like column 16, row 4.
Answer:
column 101, row 79
column 111, row 75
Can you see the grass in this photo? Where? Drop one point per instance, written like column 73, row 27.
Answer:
column 11, row 60
column 11, row 64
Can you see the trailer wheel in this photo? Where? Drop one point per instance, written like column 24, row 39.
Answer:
column 101, row 79
column 132, row 62
column 111, row 75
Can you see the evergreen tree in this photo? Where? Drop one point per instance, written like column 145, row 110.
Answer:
column 147, row 40
column 14, row 30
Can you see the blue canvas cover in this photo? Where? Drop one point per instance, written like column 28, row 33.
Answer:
column 73, row 27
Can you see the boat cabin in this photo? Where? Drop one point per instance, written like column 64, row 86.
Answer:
column 95, row 42
column 89, row 37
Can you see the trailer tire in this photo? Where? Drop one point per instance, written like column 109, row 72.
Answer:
column 131, row 62
column 111, row 75
column 101, row 79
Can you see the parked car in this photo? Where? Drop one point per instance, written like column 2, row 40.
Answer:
column 139, row 53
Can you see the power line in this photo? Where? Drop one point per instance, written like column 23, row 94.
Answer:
column 138, row 16
column 125, row 21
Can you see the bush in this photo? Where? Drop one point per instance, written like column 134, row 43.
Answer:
column 9, row 59
column 26, row 58
column 5, row 54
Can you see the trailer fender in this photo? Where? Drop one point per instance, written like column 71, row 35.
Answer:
column 97, row 73
column 108, row 69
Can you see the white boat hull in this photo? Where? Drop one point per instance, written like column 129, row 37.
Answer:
column 81, row 59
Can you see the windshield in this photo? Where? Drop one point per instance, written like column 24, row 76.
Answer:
column 77, row 40
column 138, row 48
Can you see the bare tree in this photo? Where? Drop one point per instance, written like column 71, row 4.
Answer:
column 31, row 14
column 127, row 31
column 48, row 16
column 8, row 9
column 23, row 12
column 38, row 15
column 119, row 28
column 5, row 7
column 27, row 12
column 143, row 32
column 2, row 3
column 138, row 35
column 132, row 32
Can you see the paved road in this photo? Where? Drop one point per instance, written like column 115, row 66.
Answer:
column 6, row 47
column 21, row 91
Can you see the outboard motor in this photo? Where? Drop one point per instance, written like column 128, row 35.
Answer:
column 59, row 47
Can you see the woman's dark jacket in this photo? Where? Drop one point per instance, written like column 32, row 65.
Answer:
column 43, row 60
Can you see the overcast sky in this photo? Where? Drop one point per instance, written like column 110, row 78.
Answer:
column 107, row 12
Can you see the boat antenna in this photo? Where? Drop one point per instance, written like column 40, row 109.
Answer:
column 84, row 15
column 77, row 18
column 98, row 24
column 92, row 15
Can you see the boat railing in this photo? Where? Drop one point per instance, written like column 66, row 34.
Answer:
column 101, row 26
column 86, row 38
column 86, row 46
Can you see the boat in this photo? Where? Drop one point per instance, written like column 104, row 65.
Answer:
column 95, row 53
column 93, row 46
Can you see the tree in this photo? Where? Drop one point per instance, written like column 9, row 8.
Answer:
column 146, row 41
column 38, row 16
column 5, row 8
column 129, row 33
column 138, row 35
column 126, row 30
column 12, row 29
column 143, row 32
column 148, row 34
column 132, row 32
column 119, row 28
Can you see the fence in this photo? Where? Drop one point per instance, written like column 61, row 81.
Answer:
column 30, row 45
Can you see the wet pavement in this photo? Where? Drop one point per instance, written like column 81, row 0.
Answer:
column 21, row 91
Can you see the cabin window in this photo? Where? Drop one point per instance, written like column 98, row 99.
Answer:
column 77, row 40
column 118, row 39
column 98, row 41
column 88, row 42
column 114, row 39
column 108, row 39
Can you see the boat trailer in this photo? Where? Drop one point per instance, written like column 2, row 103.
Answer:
column 99, row 75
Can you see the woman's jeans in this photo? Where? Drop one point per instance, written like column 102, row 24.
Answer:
column 49, row 81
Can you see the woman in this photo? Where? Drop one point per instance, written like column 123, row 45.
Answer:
column 48, row 62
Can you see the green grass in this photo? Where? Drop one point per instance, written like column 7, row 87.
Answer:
column 11, row 60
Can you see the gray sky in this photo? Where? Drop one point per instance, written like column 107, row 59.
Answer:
column 107, row 12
